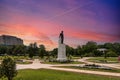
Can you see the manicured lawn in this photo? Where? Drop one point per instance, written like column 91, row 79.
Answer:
column 26, row 62
column 46, row 74
column 74, row 57
column 18, row 59
column 103, row 60
column 1, row 57
column 74, row 62
column 81, row 68
column 15, row 57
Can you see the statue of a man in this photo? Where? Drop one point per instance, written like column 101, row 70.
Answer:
column 61, row 36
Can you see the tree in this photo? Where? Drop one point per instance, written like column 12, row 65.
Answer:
column 97, row 53
column 116, row 48
column 69, row 50
column 30, row 51
column 19, row 50
column 10, row 50
column 9, row 68
column 42, row 51
column 54, row 52
column 108, row 45
column 1, row 72
column 89, row 48
column 80, row 51
column 3, row 49
column 111, row 54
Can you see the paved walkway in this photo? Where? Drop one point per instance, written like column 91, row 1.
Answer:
column 37, row 65
column 117, row 65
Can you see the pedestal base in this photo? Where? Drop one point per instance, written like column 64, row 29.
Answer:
column 62, row 52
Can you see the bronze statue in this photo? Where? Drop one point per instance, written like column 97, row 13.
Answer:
column 61, row 36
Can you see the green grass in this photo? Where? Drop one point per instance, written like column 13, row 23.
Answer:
column 46, row 74
column 26, row 62
column 75, row 57
column 102, row 59
column 16, row 57
column 1, row 57
column 80, row 68
column 74, row 62
column 21, row 57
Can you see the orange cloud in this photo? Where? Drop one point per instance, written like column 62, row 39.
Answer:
column 89, row 35
column 27, row 33
column 34, row 28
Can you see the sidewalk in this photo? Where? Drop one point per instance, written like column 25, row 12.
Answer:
column 37, row 65
column 117, row 66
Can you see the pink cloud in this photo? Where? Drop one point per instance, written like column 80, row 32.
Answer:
column 77, row 23
column 28, row 34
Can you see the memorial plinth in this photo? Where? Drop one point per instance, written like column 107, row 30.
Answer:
column 61, row 51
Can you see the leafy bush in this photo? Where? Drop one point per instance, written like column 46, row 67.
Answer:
column 1, row 72
column 8, row 67
column 111, row 54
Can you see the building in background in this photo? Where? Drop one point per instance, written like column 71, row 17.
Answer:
column 10, row 40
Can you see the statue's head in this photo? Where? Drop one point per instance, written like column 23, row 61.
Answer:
column 61, row 31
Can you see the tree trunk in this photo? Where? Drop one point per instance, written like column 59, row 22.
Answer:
column 9, row 78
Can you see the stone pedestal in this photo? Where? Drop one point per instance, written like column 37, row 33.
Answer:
column 61, row 49
column 62, row 52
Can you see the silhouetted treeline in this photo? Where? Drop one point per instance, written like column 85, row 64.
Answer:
column 89, row 49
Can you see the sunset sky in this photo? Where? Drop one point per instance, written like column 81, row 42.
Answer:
column 41, row 21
